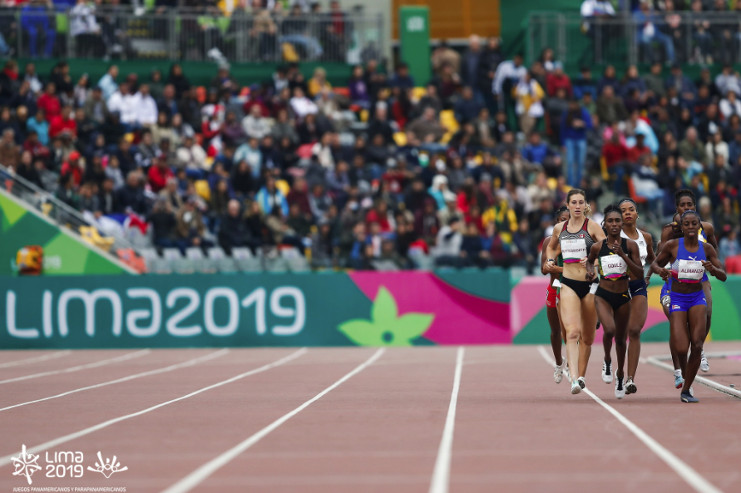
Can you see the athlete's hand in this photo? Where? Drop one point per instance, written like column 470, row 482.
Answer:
column 590, row 275
column 648, row 281
column 664, row 274
column 709, row 266
column 618, row 250
column 583, row 262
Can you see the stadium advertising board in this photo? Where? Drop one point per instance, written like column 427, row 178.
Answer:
column 361, row 308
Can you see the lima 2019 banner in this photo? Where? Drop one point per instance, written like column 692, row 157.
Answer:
column 313, row 309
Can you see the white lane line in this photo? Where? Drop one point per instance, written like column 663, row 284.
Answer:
column 149, row 373
column 441, row 475
column 703, row 380
column 196, row 477
column 72, row 369
column 690, row 476
column 35, row 359
column 4, row 461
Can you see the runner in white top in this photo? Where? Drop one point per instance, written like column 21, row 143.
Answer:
column 638, row 288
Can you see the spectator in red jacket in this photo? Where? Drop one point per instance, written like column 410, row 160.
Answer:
column 63, row 124
column 556, row 80
column 616, row 157
column 73, row 166
column 49, row 102
column 158, row 174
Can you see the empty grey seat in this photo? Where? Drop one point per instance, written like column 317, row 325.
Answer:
column 177, row 262
column 221, row 261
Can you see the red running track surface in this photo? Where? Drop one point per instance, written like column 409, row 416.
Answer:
column 380, row 429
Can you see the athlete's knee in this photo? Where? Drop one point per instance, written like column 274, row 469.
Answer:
column 697, row 343
column 634, row 333
column 572, row 335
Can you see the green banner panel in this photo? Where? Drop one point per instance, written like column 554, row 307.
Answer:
column 63, row 253
column 414, row 34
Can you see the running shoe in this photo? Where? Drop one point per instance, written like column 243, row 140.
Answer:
column 630, row 386
column 558, row 373
column 575, row 387
column 619, row 389
column 607, row 371
column 581, row 382
column 678, row 380
column 704, row 365
column 688, row 397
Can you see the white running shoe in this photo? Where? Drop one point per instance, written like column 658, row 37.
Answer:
column 575, row 387
column 558, row 373
column 582, row 383
column 678, row 380
column 619, row 389
column 630, row 386
column 607, row 372
column 704, row 365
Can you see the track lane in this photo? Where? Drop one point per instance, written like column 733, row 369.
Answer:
column 379, row 431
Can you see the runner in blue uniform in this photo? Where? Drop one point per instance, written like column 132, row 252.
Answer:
column 691, row 260
column 685, row 200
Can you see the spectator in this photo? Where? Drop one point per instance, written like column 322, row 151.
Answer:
column 254, row 125
column 107, row 83
column 158, row 175
column 610, row 108
column 190, row 228
column 557, row 79
column 427, row 128
column 529, row 96
column 467, row 108
column 36, row 22
column 574, row 126
column 692, row 150
column 649, row 32
column 448, row 243
column 508, row 74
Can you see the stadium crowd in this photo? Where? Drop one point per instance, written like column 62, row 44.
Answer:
column 466, row 170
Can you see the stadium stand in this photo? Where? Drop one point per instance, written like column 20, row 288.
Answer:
column 381, row 172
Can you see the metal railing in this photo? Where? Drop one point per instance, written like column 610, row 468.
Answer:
column 54, row 209
column 681, row 37
column 186, row 34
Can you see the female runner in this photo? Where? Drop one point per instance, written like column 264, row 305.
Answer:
column 578, row 315
column 616, row 256
column 685, row 200
column 690, row 260
column 638, row 286
column 551, row 301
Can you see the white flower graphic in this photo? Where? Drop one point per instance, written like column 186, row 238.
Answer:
column 25, row 464
column 108, row 466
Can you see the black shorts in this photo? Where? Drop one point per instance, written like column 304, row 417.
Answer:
column 638, row 288
column 581, row 288
column 616, row 300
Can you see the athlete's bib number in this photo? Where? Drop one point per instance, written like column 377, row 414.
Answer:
column 573, row 250
column 613, row 266
column 690, row 271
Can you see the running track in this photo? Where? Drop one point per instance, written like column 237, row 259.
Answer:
column 486, row 418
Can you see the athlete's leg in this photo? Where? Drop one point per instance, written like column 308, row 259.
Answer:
column 638, row 314
column 697, row 317
column 570, row 309
column 588, row 324
column 622, row 316
column 555, row 324
column 679, row 338
column 675, row 357
column 606, row 316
